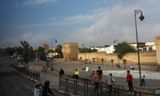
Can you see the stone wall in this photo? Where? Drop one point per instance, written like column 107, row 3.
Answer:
column 70, row 51
column 145, row 57
column 158, row 49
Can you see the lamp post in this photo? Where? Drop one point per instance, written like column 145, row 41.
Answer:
column 52, row 42
column 85, row 52
column 55, row 40
column 116, row 42
column 141, row 17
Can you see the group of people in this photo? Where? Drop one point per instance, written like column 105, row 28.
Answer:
column 42, row 89
column 96, row 79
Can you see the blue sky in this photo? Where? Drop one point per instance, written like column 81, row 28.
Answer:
column 92, row 22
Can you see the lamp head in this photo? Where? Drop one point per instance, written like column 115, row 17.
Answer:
column 55, row 41
column 141, row 17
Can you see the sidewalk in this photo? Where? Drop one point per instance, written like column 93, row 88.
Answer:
column 70, row 68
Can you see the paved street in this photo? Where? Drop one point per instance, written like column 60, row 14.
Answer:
column 12, row 84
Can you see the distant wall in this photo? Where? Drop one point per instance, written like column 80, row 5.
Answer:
column 157, row 40
column 145, row 57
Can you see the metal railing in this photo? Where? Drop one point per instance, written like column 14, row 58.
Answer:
column 84, row 87
column 32, row 74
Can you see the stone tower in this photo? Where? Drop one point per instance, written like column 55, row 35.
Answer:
column 157, row 41
column 70, row 51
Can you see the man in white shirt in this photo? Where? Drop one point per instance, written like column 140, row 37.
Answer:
column 110, row 81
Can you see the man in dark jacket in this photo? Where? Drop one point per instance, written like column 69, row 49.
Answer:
column 99, row 72
column 46, row 90
column 61, row 72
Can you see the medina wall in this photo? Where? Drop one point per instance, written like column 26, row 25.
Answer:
column 158, row 49
column 131, row 58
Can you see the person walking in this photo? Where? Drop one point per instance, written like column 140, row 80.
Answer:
column 129, row 79
column 61, row 72
column 76, row 74
column 92, row 76
column 143, row 81
column 36, row 91
column 46, row 89
column 110, row 81
column 99, row 72
column 97, row 81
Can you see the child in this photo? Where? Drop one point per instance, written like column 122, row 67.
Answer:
column 143, row 81
column 36, row 90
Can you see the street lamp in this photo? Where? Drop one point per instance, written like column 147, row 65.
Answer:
column 141, row 17
column 85, row 52
column 52, row 42
column 116, row 42
column 51, row 65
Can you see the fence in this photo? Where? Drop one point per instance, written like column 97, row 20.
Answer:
column 32, row 74
column 84, row 87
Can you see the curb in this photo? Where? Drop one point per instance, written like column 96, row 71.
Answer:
column 34, row 80
column 29, row 78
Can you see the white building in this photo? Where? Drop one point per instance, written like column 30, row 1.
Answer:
column 108, row 50
column 143, row 46
column 150, row 45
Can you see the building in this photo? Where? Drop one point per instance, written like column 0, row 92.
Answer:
column 157, row 41
column 70, row 51
column 143, row 46
column 108, row 50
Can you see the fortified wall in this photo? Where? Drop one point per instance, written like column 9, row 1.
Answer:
column 70, row 51
column 157, row 41
column 131, row 58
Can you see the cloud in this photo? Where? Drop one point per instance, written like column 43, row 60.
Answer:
column 36, row 39
column 103, row 25
column 38, row 2
column 71, row 20
column 117, row 23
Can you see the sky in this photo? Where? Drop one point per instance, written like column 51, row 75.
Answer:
column 88, row 22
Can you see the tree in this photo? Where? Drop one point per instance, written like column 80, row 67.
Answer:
column 85, row 50
column 124, row 62
column 93, row 59
column 19, row 50
column 10, row 51
column 41, row 53
column 112, row 62
column 26, row 51
column 106, row 46
column 59, row 51
column 102, row 61
column 25, row 54
column 122, row 49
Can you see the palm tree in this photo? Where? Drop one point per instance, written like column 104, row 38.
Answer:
column 93, row 59
column 25, row 51
column 124, row 62
column 112, row 62
column 102, row 60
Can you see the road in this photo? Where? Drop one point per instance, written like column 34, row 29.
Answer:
column 12, row 84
